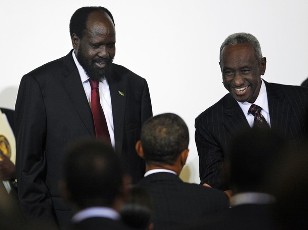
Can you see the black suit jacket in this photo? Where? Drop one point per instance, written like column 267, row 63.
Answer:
column 177, row 203
column 216, row 126
column 52, row 110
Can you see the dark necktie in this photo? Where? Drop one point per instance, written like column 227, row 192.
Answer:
column 259, row 120
column 100, row 124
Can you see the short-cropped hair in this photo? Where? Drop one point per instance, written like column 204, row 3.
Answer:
column 164, row 137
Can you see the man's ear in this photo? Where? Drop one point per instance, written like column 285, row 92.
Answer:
column 263, row 65
column 183, row 156
column 75, row 41
column 139, row 149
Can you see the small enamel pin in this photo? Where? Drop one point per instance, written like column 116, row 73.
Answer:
column 121, row 93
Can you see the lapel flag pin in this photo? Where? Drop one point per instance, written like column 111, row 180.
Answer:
column 121, row 93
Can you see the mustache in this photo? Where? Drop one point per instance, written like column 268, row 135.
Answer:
column 106, row 60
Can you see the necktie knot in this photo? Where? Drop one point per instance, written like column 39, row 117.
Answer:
column 94, row 84
column 254, row 109
column 259, row 120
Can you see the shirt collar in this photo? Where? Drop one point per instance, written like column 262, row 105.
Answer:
column 152, row 171
column 83, row 75
column 251, row 198
column 105, row 212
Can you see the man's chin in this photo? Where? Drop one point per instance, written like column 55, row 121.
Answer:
column 96, row 75
column 240, row 98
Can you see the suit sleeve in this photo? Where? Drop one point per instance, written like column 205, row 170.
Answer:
column 210, row 153
column 30, row 122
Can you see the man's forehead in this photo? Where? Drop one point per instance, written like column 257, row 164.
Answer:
column 98, row 16
column 100, row 24
column 238, row 47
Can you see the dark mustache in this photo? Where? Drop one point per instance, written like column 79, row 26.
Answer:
column 106, row 60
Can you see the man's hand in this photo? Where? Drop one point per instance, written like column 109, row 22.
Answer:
column 207, row 185
column 228, row 193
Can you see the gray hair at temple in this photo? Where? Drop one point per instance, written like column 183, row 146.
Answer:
column 242, row 38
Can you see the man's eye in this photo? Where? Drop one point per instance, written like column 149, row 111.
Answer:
column 228, row 73
column 246, row 71
column 94, row 46
column 110, row 46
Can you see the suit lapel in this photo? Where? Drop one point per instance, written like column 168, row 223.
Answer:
column 117, row 86
column 279, row 109
column 234, row 118
column 73, row 86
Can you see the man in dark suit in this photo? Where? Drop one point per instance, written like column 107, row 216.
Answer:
column 283, row 107
column 164, row 147
column 52, row 109
column 95, row 183
column 305, row 83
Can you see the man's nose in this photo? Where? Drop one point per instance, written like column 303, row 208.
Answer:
column 103, row 52
column 238, row 79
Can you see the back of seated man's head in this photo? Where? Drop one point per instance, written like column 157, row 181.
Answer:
column 164, row 137
column 137, row 210
column 93, row 174
column 252, row 154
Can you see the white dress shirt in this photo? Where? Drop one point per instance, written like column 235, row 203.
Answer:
column 105, row 98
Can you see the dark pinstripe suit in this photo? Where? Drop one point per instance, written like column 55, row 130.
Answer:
column 218, row 124
column 177, row 203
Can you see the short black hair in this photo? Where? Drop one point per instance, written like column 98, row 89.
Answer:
column 137, row 211
column 163, row 138
column 79, row 18
column 93, row 173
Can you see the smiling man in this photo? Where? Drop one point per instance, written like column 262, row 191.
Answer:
column 251, row 101
column 82, row 94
